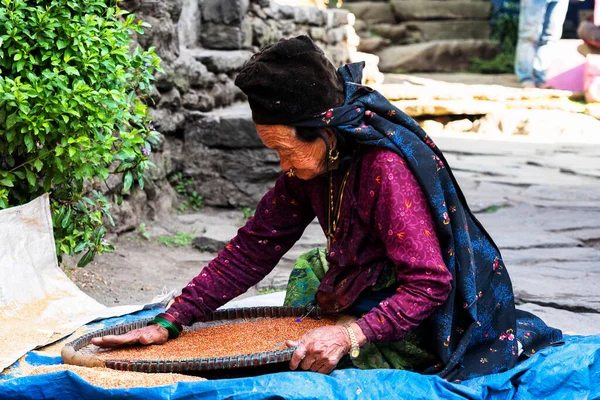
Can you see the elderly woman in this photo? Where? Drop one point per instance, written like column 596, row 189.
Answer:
column 405, row 255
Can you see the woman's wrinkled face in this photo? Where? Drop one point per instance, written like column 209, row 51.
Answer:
column 306, row 158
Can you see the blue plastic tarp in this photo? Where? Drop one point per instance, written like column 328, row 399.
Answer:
column 571, row 371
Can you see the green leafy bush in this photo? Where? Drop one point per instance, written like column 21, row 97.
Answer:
column 71, row 112
column 505, row 30
column 180, row 239
column 184, row 187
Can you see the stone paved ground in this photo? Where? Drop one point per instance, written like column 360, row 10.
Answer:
column 540, row 202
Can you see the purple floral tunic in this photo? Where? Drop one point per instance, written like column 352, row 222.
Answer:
column 385, row 219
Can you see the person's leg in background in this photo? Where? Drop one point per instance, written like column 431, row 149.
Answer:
column 531, row 22
column 552, row 29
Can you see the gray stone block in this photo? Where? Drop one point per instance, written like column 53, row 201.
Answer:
column 399, row 34
column 309, row 16
column 284, row 12
column 318, row 34
column 263, row 3
column 436, row 56
column 218, row 36
column 170, row 100
column 211, row 245
column 337, row 35
column 188, row 72
column 428, row 10
column 336, row 17
column 225, row 93
column 167, row 122
column 264, row 32
column 448, row 30
column 372, row 44
column 218, row 61
column 198, row 101
column 231, row 128
column 224, row 11
column 372, row 12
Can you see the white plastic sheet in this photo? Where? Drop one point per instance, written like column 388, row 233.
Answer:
column 39, row 304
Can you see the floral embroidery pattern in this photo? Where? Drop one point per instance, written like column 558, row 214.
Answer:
column 327, row 116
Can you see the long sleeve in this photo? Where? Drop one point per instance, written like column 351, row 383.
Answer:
column 402, row 219
column 281, row 217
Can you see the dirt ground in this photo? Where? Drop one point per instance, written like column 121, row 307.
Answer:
column 141, row 268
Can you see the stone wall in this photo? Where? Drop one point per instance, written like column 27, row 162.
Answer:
column 424, row 35
column 205, row 123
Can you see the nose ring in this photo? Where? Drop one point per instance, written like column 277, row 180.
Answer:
column 291, row 172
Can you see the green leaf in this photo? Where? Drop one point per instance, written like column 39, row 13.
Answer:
column 6, row 182
column 127, row 181
column 18, row 56
column 72, row 151
column 67, row 218
column 29, row 142
column 86, row 259
column 81, row 247
column 31, row 178
column 38, row 164
column 20, row 64
column 61, row 44
column 71, row 71
column 12, row 120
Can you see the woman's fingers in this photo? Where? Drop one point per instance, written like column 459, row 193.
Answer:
column 152, row 334
column 117, row 340
column 298, row 355
column 309, row 360
column 323, row 367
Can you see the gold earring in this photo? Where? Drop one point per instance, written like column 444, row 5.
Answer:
column 291, row 172
column 332, row 157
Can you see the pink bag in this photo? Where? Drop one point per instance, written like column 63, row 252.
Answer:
column 591, row 83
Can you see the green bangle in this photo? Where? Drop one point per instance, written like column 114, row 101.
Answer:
column 168, row 325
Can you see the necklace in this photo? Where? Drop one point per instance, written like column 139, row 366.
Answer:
column 335, row 207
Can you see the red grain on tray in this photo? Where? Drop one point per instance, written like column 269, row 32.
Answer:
column 225, row 340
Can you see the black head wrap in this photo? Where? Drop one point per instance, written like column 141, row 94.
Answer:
column 289, row 81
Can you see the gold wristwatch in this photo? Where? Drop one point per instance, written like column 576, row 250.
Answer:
column 354, row 348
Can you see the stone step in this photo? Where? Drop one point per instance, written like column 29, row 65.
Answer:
column 424, row 31
column 372, row 12
column 409, row 87
column 468, row 106
column 227, row 127
column 446, row 30
column 436, row 56
column 428, row 10
column 221, row 61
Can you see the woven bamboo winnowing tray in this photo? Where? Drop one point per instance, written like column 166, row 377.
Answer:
column 71, row 352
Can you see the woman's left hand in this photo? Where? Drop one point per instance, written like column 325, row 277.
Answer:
column 320, row 349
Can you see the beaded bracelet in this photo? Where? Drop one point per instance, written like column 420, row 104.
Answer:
column 168, row 325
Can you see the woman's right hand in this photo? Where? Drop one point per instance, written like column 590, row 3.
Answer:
column 151, row 334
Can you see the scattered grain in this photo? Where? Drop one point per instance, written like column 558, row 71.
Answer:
column 109, row 378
